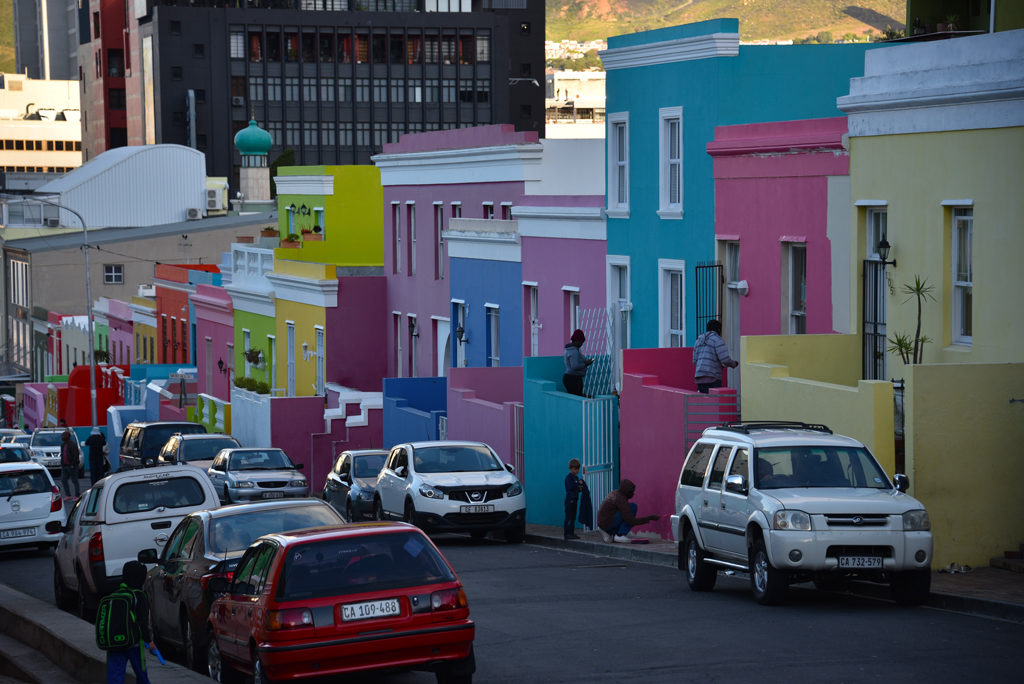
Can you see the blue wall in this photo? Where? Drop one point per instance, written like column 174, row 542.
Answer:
column 412, row 407
column 478, row 282
column 762, row 83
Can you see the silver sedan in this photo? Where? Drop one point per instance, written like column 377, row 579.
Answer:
column 256, row 474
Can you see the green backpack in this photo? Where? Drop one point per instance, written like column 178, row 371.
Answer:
column 116, row 624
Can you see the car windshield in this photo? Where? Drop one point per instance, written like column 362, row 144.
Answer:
column 818, row 466
column 14, row 454
column 259, row 459
column 353, row 565
column 237, row 532
column 155, row 436
column 368, row 465
column 454, row 459
column 20, row 482
column 20, row 439
column 148, row 495
column 50, row 438
column 205, row 449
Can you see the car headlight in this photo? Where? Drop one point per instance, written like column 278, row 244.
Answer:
column 245, row 484
column 299, row 482
column 916, row 521
column 514, row 489
column 431, row 492
column 366, row 495
column 792, row 520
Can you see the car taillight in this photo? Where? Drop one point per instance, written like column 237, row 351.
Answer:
column 96, row 548
column 449, row 599
column 290, row 618
column 204, row 581
column 56, row 501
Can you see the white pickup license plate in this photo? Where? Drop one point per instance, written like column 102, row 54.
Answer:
column 273, row 495
column 483, row 508
column 861, row 562
column 20, row 532
column 369, row 609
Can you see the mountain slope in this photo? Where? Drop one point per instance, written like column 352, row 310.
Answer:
column 7, row 36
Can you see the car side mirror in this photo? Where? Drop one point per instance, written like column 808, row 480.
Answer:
column 736, row 484
column 219, row 585
column 901, row 482
column 147, row 556
column 510, row 468
column 401, row 471
column 300, row 466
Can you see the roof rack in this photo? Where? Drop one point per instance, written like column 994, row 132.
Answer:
column 746, row 426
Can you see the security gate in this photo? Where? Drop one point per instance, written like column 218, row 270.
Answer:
column 874, row 320
column 709, row 294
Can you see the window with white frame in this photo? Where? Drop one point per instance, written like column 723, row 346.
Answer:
column 410, row 214
column 618, row 298
column 488, row 210
column 396, row 228
column 271, row 358
column 456, row 209
column 672, row 303
column 493, row 335
column 438, row 241
column 246, row 346
column 963, row 274
column 506, row 211
column 414, row 337
column 572, row 308
column 618, row 164
column 877, row 230
column 321, row 370
column 113, row 274
column 396, row 329
column 461, row 332
column 319, row 220
column 796, row 255
column 532, row 297
column 291, row 219
column 670, row 163
column 290, row 329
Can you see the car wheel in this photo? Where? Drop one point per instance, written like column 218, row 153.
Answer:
column 348, row 511
column 768, row 584
column 227, row 495
column 86, row 601
column 259, row 672
column 458, row 672
column 218, row 670
column 194, row 650
column 911, row 587
column 62, row 596
column 409, row 515
column 700, row 576
column 516, row 535
column 378, row 509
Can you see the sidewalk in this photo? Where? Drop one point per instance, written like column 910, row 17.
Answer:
column 986, row 591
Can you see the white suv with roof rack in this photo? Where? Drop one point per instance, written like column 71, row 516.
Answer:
column 791, row 502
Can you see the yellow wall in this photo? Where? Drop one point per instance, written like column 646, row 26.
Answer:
column 964, row 454
column 915, row 173
column 305, row 317
column 145, row 333
column 776, row 386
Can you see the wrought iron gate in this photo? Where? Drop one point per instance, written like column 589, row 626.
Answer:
column 710, row 279
column 874, row 320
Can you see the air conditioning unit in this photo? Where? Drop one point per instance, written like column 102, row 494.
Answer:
column 214, row 199
column 237, row 100
column 194, row 214
column 52, row 223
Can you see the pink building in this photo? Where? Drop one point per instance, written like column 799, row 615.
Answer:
column 215, row 331
column 782, row 208
column 119, row 315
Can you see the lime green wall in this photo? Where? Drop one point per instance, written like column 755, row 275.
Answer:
column 915, row 173
column 795, row 377
column 259, row 327
column 354, row 217
column 963, row 455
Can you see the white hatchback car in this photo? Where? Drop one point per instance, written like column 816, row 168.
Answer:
column 122, row 514
column 31, row 508
column 451, row 487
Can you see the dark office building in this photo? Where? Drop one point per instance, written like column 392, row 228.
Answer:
column 332, row 80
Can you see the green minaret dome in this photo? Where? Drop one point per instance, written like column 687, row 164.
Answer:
column 253, row 140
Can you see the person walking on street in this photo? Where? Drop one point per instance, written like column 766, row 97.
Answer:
column 617, row 516
column 70, row 457
column 133, row 575
column 575, row 364
column 710, row 355
column 97, row 444
column 573, row 488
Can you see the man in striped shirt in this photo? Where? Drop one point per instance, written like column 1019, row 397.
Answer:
column 710, row 355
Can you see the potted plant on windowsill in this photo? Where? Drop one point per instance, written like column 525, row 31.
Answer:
column 269, row 231
column 292, row 240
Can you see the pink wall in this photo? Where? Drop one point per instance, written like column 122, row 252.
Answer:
column 122, row 342
column 458, row 138
column 480, row 406
column 355, row 329
column 657, row 390
column 553, row 263
column 771, row 186
column 214, row 319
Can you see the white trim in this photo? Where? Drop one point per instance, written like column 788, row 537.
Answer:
column 491, row 305
column 261, row 303
column 304, row 185
column 666, row 209
column 318, row 327
column 320, row 293
column 666, row 52
column 453, row 300
column 570, row 288
column 440, row 318
column 573, row 223
column 438, row 203
column 871, row 203
column 488, row 203
column 958, row 203
column 506, row 163
column 454, row 203
column 665, row 265
column 530, row 283
column 396, row 313
column 407, row 202
column 613, row 171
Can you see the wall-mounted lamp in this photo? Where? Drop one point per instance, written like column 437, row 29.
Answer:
column 460, row 335
column 306, row 354
column 742, row 287
column 304, row 210
column 883, row 251
column 413, row 328
column 222, row 368
column 291, row 207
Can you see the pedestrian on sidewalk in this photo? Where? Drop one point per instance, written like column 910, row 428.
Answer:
column 97, row 444
column 575, row 490
column 70, row 458
column 575, row 364
column 133, row 574
column 710, row 356
column 617, row 516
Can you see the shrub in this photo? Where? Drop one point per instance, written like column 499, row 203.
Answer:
column 253, row 385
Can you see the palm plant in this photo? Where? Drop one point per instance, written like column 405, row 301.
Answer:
column 911, row 349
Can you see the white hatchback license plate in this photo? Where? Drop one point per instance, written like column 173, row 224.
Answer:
column 20, row 532
column 369, row 609
column 273, row 495
column 858, row 562
column 488, row 508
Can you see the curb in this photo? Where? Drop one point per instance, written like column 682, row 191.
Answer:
column 629, row 552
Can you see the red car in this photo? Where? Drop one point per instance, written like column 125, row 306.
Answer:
column 343, row 599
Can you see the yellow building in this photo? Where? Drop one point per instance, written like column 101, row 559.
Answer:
column 144, row 329
column 932, row 156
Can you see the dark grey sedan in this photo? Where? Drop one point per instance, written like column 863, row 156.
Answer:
column 353, row 480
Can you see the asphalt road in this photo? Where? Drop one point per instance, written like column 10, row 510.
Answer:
column 545, row 615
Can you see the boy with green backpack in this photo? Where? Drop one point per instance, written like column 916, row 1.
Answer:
column 122, row 626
